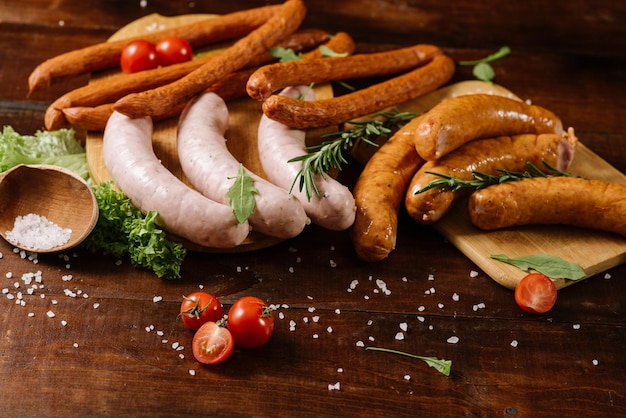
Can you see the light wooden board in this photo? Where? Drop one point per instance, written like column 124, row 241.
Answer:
column 594, row 251
column 244, row 116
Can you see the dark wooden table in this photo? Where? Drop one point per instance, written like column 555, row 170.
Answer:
column 112, row 349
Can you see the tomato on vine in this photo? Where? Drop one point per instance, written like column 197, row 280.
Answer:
column 212, row 343
column 200, row 307
column 535, row 293
column 251, row 322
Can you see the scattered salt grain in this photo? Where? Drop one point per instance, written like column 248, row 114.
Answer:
column 8, row 275
column 75, row 345
column 399, row 336
column 431, row 277
column 175, row 345
column 456, row 297
column 333, row 263
column 35, row 231
column 31, row 314
column 360, row 344
column 192, row 372
column 453, row 340
column 64, row 322
column 329, row 330
column 50, row 314
column 281, row 315
column 607, row 276
column 96, row 305
column 371, row 338
column 421, row 308
column 421, row 318
column 292, row 325
column 338, row 311
column 311, row 309
column 339, row 370
column 473, row 273
column 336, row 386
column 315, row 336
column 315, row 318
column 576, row 326
column 157, row 299
column 440, row 305
column 404, row 326
column 407, row 377
column 594, row 362
column 514, row 343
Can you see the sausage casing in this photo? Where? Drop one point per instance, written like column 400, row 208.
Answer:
column 511, row 153
column 458, row 120
column 594, row 204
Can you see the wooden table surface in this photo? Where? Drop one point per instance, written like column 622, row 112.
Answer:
column 112, row 349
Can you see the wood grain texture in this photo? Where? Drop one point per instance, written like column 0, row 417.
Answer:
column 567, row 363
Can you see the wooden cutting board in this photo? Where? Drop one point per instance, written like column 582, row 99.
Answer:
column 244, row 116
column 594, row 251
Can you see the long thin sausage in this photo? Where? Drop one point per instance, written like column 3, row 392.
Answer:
column 110, row 89
column 107, row 54
column 379, row 192
column 573, row 201
column 512, row 153
column 302, row 115
column 211, row 168
column 459, row 120
column 129, row 158
column 271, row 78
column 156, row 101
column 232, row 86
column 334, row 207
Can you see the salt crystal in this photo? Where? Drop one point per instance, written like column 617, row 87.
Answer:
column 404, row 326
column 455, row 297
column 50, row 314
column 37, row 232
column 157, row 299
column 192, row 372
column 473, row 273
column 360, row 344
column 576, row 326
column 336, row 386
column 594, row 362
column 399, row 336
column 453, row 340
column 407, row 377
column 514, row 343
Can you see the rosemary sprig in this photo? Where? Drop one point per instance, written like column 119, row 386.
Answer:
column 481, row 180
column 320, row 159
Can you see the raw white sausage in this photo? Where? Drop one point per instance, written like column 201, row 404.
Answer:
column 211, row 168
column 129, row 157
column 334, row 208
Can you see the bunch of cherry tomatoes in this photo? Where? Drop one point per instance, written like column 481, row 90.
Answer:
column 141, row 55
column 249, row 324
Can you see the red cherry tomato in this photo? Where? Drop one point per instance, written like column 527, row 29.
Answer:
column 251, row 322
column 139, row 55
column 212, row 343
column 200, row 307
column 173, row 50
column 535, row 293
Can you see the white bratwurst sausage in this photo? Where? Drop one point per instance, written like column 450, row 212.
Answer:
column 334, row 208
column 211, row 168
column 129, row 157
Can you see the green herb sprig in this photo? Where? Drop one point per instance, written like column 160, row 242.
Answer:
column 322, row 158
column 442, row 366
column 482, row 69
column 481, row 180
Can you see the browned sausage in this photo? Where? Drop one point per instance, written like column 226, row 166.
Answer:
column 301, row 114
column 231, row 87
column 378, row 193
column 107, row 54
column 456, row 121
column 160, row 100
column 111, row 89
column 271, row 78
column 511, row 153
column 573, row 201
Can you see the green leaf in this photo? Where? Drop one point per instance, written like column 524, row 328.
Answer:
column 285, row 54
column 550, row 265
column 442, row 366
column 122, row 230
column 484, row 72
column 241, row 195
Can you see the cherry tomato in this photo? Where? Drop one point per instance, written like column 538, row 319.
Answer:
column 212, row 343
column 251, row 322
column 535, row 293
column 139, row 55
column 173, row 50
column 200, row 307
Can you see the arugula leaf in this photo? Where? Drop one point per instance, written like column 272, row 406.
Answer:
column 442, row 366
column 122, row 230
column 285, row 54
column 482, row 69
column 550, row 265
column 241, row 195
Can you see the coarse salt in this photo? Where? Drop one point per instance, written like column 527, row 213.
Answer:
column 453, row 340
column 37, row 232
